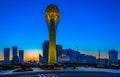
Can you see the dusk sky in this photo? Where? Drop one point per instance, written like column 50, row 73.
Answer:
column 89, row 25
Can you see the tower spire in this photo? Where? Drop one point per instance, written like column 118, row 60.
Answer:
column 77, row 55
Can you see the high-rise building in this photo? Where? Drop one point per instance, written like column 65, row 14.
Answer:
column 113, row 56
column 40, row 58
column 15, row 58
column 52, row 18
column 6, row 54
column 14, row 49
column 45, row 51
column 58, row 47
column 21, row 56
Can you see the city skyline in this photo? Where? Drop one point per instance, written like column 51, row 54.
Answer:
column 94, row 26
column 36, row 55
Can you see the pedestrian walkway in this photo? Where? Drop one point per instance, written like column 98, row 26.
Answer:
column 7, row 71
column 48, row 75
column 36, row 69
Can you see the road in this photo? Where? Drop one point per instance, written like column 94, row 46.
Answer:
column 77, row 74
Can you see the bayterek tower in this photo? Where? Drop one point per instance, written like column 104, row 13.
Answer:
column 52, row 17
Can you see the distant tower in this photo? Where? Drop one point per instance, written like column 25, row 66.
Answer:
column 15, row 49
column 99, row 57
column 6, row 54
column 52, row 17
column 77, row 55
column 21, row 56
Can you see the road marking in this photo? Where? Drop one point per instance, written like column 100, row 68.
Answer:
column 48, row 75
column 54, row 75
column 43, row 75
column 39, row 75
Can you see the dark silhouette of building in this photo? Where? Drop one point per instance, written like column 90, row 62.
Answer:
column 6, row 54
column 58, row 47
column 45, row 51
column 40, row 58
column 113, row 56
column 103, row 61
column 15, row 60
column 21, row 56
column 119, row 62
column 14, row 49
column 99, row 57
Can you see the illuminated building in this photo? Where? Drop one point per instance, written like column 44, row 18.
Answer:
column 63, row 58
column 52, row 18
column 72, row 56
column 67, row 55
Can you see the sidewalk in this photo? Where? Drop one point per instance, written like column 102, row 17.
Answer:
column 11, row 71
column 8, row 71
column 79, row 69
column 98, row 69
column 37, row 69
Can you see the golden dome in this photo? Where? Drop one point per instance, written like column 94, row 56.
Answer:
column 52, row 9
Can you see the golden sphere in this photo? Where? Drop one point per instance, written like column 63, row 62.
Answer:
column 52, row 9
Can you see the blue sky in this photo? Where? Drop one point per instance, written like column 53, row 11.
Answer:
column 89, row 24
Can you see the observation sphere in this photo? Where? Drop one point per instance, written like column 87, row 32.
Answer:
column 52, row 9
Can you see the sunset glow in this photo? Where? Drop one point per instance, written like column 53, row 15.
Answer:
column 32, row 54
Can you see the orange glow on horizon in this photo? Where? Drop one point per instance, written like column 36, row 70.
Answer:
column 28, row 55
column 35, row 56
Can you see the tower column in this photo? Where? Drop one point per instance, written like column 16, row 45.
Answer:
column 52, row 43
